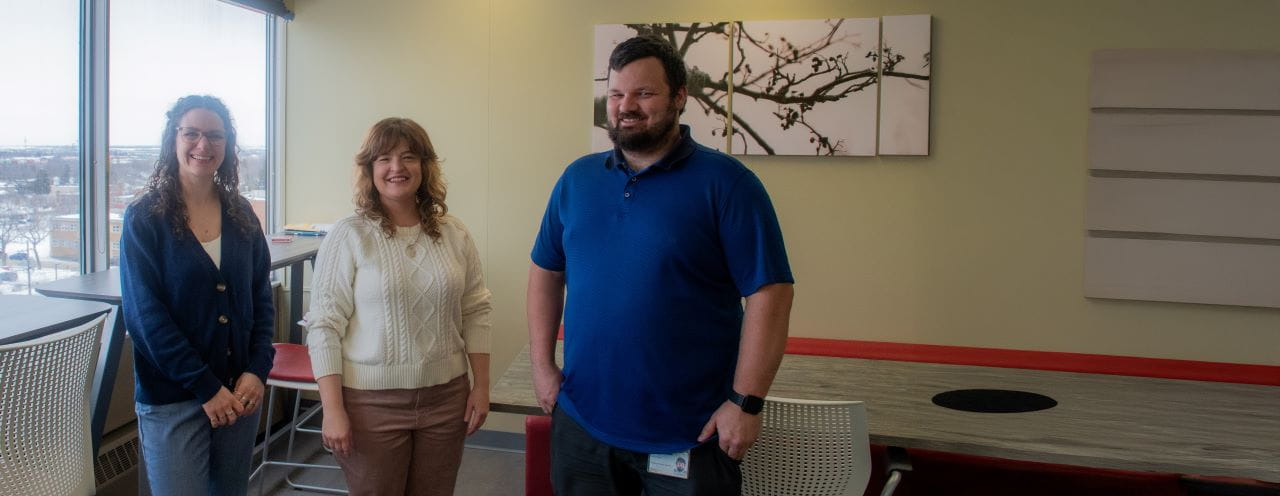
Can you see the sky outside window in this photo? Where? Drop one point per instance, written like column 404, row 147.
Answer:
column 160, row 50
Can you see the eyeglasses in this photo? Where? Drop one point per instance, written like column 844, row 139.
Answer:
column 192, row 135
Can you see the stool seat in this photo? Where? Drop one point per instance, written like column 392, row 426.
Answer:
column 292, row 370
column 292, row 363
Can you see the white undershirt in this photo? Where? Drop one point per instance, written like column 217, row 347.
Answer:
column 214, row 249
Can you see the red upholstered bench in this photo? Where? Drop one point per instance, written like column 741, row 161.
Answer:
column 949, row 473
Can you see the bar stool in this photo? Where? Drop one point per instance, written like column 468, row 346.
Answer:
column 292, row 370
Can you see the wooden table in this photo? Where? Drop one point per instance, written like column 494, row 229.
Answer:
column 1104, row 421
column 104, row 287
column 23, row 318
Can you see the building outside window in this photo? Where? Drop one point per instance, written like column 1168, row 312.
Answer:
column 159, row 50
column 39, row 153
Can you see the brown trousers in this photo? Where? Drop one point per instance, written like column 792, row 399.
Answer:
column 406, row 441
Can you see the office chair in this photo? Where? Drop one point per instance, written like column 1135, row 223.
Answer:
column 46, row 446
column 810, row 448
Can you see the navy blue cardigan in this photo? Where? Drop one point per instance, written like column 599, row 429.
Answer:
column 195, row 328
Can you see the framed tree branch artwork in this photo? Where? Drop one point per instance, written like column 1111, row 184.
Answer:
column 823, row 87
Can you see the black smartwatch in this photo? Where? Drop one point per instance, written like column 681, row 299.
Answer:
column 751, row 405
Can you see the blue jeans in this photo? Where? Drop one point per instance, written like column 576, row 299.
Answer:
column 184, row 455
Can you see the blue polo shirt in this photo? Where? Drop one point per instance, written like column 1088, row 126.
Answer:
column 656, row 265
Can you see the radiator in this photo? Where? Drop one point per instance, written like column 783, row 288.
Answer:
column 118, row 458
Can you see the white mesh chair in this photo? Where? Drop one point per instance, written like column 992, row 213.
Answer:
column 809, row 448
column 45, row 441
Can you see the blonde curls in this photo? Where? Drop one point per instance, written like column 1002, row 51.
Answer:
column 384, row 137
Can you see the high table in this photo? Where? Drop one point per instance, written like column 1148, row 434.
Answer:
column 1103, row 421
column 104, row 286
column 32, row 317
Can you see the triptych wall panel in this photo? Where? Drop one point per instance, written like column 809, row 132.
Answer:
column 805, row 87
column 904, row 95
column 705, row 46
column 796, row 87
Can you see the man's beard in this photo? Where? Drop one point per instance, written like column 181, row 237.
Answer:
column 642, row 140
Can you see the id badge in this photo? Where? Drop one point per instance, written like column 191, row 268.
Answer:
column 673, row 465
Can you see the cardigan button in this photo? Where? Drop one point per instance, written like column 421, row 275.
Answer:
column 222, row 319
column 221, row 287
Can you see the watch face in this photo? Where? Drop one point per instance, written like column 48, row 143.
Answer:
column 749, row 404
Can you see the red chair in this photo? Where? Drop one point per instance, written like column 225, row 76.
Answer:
column 537, row 456
column 292, row 370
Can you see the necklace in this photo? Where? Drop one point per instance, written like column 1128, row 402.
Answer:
column 411, row 248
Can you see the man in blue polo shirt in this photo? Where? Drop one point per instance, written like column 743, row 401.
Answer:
column 648, row 250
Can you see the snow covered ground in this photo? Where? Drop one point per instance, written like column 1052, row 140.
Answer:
column 15, row 275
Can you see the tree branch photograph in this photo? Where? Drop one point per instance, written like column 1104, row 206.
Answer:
column 794, row 87
column 805, row 87
column 904, row 97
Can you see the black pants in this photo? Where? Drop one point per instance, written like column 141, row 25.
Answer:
column 583, row 466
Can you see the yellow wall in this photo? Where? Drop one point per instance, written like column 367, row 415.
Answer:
column 980, row 244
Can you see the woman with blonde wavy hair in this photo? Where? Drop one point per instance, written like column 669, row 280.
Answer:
column 399, row 312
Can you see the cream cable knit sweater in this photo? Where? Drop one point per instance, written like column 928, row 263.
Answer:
column 385, row 320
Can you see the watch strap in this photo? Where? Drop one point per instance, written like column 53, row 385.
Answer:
column 751, row 405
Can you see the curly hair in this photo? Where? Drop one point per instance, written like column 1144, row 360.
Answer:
column 164, row 186
column 382, row 138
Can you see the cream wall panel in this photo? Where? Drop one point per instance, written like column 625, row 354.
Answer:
column 1194, row 143
column 1175, row 206
column 1183, row 271
column 1186, row 79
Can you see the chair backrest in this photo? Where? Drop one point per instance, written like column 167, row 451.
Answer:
column 537, row 456
column 45, row 445
column 809, row 448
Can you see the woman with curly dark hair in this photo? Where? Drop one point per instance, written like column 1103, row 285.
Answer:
column 195, row 280
column 399, row 311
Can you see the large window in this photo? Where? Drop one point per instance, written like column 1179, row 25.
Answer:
column 67, row 171
column 39, row 150
column 162, row 50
